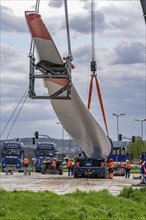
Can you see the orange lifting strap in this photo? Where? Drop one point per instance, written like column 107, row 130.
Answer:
column 99, row 96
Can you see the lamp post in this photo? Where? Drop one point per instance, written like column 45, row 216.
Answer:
column 118, row 115
column 141, row 121
column 62, row 135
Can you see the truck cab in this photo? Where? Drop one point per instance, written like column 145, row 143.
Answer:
column 119, row 157
column 12, row 156
column 43, row 150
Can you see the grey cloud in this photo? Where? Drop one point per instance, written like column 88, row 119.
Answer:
column 8, row 53
column 82, row 24
column 129, row 53
column 10, row 22
column 56, row 4
column 83, row 54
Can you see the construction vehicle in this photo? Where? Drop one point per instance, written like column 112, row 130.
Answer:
column 12, row 156
column 43, row 150
column 48, row 168
column 119, row 157
column 90, row 167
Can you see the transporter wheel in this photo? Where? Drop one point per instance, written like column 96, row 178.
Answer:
column 75, row 175
column 60, row 172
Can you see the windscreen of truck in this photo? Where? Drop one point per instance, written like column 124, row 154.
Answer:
column 45, row 152
column 11, row 151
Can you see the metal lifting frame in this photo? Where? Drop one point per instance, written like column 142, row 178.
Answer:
column 63, row 72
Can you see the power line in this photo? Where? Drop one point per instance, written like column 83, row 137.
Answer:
column 26, row 91
column 16, row 117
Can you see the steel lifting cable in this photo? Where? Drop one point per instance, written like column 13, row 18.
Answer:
column 93, row 68
column 16, row 116
column 143, row 5
column 68, row 32
column 32, row 47
column 14, row 112
column 93, row 29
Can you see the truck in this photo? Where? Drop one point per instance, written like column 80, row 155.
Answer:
column 90, row 167
column 43, row 150
column 119, row 157
column 44, row 153
column 12, row 154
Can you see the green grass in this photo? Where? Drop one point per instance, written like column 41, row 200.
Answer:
column 26, row 205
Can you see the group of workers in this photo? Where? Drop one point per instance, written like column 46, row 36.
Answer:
column 111, row 166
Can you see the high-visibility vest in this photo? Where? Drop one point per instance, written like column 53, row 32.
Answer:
column 111, row 164
column 69, row 163
column 127, row 165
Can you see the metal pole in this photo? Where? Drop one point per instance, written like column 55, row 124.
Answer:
column 62, row 135
column 117, row 115
column 141, row 121
column 142, row 130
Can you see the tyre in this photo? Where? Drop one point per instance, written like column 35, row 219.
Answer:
column 60, row 172
column 75, row 175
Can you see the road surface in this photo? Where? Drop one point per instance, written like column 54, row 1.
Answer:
column 62, row 184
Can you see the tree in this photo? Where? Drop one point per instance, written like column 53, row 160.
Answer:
column 136, row 148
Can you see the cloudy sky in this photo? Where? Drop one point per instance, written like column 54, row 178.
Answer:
column 120, row 55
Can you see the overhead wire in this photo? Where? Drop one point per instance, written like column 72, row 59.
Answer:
column 16, row 116
column 26, row 91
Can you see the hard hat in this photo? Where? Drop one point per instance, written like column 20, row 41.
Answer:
column 127, row 160
column 111, row 159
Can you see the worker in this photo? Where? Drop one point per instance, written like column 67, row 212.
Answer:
column 69, row 166
column 26, row 161
column 111, row 168
column 142, row 161
column 145, row 170
column 127, row 169
column 54, row 164
column 72, row 168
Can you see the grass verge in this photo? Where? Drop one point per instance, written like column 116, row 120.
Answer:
column 27, row 205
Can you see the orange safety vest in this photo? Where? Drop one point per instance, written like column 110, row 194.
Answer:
column 127, row 165
column 26, row 161
column 111, row 164
column 69, row 163
column 54, row 163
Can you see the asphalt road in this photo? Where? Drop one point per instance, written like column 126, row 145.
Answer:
column 62, row 184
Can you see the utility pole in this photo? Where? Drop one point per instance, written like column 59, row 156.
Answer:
column 141, row 121
column 62, row 135
column 118, row 115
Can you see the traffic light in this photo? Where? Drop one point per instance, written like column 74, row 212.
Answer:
column 36, row 134
column 120, row 137
column 133, row 139
column 33, row 140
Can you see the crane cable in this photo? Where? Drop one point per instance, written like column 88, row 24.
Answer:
column 14, row 113
column 68, row 32
column 93, row 69
column 143, row 5
column 32, row 45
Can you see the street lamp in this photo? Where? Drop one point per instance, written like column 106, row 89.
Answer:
column 141, row 126
column 118, row 115
column 62, row 135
